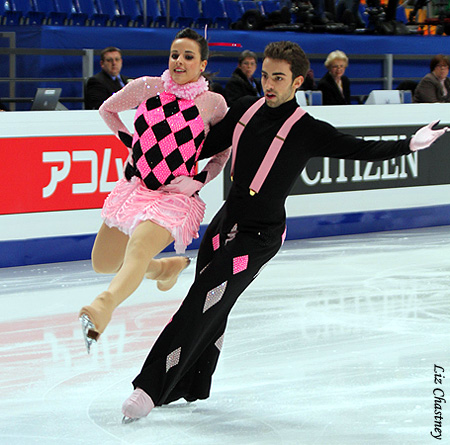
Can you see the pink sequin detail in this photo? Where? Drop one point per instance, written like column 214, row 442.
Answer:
column 216, row 242
column 240, row 263
column 162, row 171
column 181, row 171
column 191, row 129
column 143, row 167
column 167, row 145
column 147, row 140
column 176, row 122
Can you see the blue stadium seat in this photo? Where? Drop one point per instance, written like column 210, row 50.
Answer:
column 215, row 10
column 176, row 16
column 154, row 11
column 54, row 15
column 269, row 6
column 189, row 8
column 93, row 11
column 249, row 4
column 235, row 10
column 400, row 14
column 406, row 96
column 314, row 97
column 134, row 9
column 114, row 10
column 75, row 17
column 30, row 16
column 10, row 15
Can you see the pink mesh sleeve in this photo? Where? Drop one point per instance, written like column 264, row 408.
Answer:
column 215, row 165
column 217, row 109
column 130, row 96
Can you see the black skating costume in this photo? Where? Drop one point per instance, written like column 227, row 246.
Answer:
column 244, row 235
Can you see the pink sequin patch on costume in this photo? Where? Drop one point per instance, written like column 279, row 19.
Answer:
column 240, row 263
column 168, row 138
column 216, row 242
column 283, row 237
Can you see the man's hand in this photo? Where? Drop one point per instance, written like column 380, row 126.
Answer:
column 425, row 136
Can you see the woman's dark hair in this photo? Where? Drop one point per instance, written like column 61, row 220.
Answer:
column 437, row 60
column 188, row 33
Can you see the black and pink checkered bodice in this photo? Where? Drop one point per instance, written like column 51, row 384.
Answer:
column 168, row 137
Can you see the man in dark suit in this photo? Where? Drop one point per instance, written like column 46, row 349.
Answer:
column 108, row 81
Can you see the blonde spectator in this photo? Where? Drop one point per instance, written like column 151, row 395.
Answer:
column 335, row 86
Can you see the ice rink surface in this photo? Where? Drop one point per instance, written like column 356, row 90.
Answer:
column 336, row 342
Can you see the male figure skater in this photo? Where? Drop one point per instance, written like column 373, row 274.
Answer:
column 272, row 141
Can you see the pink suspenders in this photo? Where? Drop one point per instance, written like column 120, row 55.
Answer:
column 274, row 148
column 240, row 128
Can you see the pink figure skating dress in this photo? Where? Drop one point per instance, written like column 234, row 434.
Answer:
column 170, row 125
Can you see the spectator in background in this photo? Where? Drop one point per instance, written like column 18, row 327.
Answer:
column 108, row 81
column 309, row 83
column 242, row 82
column 335, row 86
column 435, row 86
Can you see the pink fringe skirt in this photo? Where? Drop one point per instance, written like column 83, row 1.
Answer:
column 132, row 202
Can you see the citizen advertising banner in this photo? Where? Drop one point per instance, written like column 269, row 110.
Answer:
column 422, row 168
column 58, row 173
column 53, row 173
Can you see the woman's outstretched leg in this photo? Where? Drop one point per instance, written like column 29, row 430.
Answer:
column 109, row 249
column 147, row 240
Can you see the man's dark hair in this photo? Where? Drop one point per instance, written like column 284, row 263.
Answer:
column 110, row 49
column 188, row 33
column 438, row 60
column 291, row 53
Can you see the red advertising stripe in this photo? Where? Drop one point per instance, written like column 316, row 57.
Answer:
column 58, row 173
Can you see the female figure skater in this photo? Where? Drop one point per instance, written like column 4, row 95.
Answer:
column 144, row 214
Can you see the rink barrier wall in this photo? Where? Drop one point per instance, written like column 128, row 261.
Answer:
column 72, row 162
column 78, row 247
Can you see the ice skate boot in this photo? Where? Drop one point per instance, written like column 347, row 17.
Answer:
column 170, row 270
column 95, row 317
column 138, row 405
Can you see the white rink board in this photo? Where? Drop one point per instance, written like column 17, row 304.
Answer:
column 84, row 122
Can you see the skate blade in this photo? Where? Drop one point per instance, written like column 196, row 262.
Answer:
column 89, row 333
column 126, row 420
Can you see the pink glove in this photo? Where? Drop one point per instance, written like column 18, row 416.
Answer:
column 184, row 185
column 425, row 136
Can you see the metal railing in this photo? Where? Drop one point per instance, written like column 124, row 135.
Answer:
column 87, row 66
